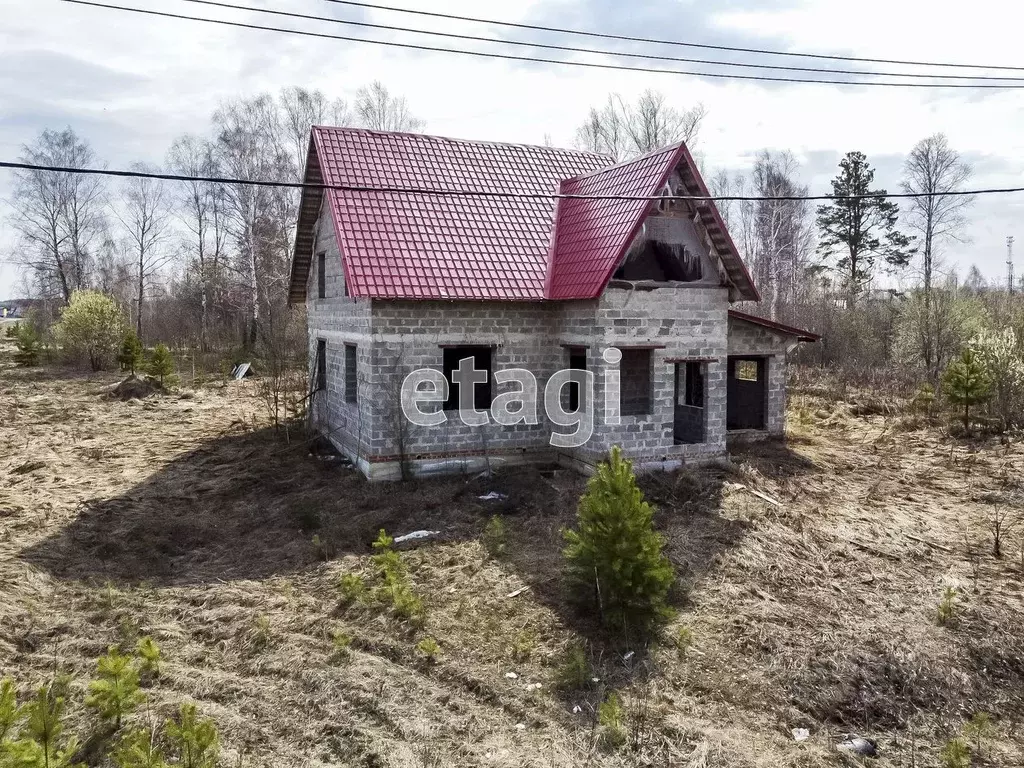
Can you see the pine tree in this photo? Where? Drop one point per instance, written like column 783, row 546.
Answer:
column 115, row 692
column 196, row 740
column 615, row 557
column 29, row 347
column 967, row 383
column 41, row 743
column 160, row 363
column 130, row 356
column 863, row 229
column 10, row 712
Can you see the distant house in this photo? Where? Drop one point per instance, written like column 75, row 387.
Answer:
column 635, row 292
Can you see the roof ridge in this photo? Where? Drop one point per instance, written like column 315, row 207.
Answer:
column 674, row 147
column 487, row 142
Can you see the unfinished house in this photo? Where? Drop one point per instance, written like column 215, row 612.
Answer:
column 480, row 260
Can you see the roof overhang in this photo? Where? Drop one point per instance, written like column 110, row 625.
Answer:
column 786, row 330
column 305, row 233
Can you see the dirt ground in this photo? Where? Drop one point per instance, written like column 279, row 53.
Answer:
column 184, row 517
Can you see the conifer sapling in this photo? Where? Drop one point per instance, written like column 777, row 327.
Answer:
column 115, row 692
column 614, row 557
column 130, row 356
column 967, row 383
column 160, row 365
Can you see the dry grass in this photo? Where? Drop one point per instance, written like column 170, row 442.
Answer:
column 183, row 517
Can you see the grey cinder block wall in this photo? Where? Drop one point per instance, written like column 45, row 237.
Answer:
column 673, row 323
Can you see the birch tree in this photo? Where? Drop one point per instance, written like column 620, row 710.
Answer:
column 59, row 216
column 250, row 147
column 781, row 232
column 301, row 109
column 144, row 215
column 377, row 109
column 200, row 207
column 932, row 170
column 623, row 130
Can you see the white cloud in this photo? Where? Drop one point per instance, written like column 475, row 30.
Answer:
column 130, row 84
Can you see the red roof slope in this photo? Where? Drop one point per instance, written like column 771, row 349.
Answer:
column 417, row 245
column 434, row 247
column 591, row 236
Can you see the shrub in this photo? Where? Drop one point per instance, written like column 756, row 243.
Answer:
column 130, row 356
column 574, row 671
column 322, row 548
column 138, row 749
column 1002, row 354
column 924, row 400
column 615, row 557
column 195, row 739
column 955, row 754
column 29, row 347
column 429, row 648
column 159, row 364
column 966, row 382
column 523, row 646
column 90, row 329
column 609, row 716
column 396, row 589
column 12, row 330
column 149, row 652
column 115, row 692
column 351, row 587
column 947, row 607
column 684, row 639
column 979, row 728
column 341, row 642
column 494, row 537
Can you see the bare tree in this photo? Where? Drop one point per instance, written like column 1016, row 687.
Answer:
column 250, row 146
column 782, row 235
column 932, row 170
column 59, row 215
column 201, row 208
column 145, row 216
column 975, row 282
column 625, row 130
column 377, row 109
column 301, row 109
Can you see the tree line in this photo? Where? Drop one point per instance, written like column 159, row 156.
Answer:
column 195, row 263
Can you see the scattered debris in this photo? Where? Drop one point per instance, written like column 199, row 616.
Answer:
column 576, row 710
column 858, row 745
column 595, row 679
column 414, row 536
column 533, row 687
column 134, row 388
column 628, row 656
column 520, row 726
column 801, row 734
column 493, row 496
column 753, row 492
column 511, row 676
column 927, row 543
column 28, row 466
column 241, row 370
column 517, row 592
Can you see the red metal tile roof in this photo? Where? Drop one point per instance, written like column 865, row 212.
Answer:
column 591, row 236
column 434, row 247
column 399, row 245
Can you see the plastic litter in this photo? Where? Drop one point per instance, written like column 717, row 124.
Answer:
column 493, row 496
column 801, row 734
column 416, row 535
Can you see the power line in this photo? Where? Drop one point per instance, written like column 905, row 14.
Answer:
column 531, row 59
column 598, row 51
column 679, row 43
column 481, row 192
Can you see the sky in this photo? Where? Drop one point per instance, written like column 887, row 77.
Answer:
column 130, row 84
